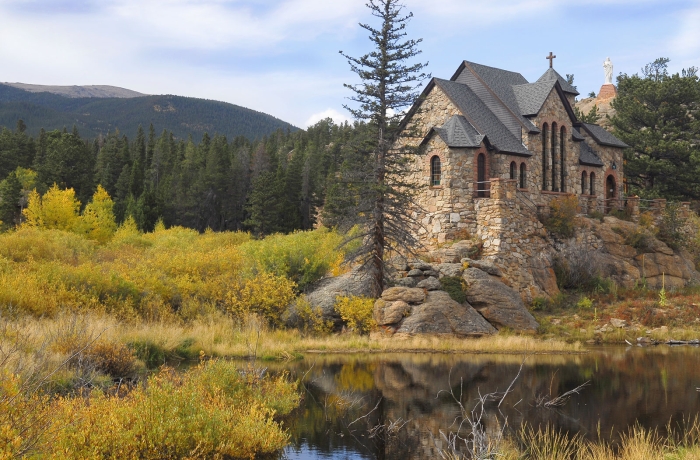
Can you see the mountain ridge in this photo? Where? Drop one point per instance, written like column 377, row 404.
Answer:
column 78, row 91
column 94, row 116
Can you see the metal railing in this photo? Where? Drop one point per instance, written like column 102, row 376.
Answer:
column 482, row 192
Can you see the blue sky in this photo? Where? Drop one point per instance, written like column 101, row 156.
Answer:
column 281, row 56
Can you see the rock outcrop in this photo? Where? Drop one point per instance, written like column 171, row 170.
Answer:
column 441, row 316
column 426, row 309
column 325, row 292
column 628, row 260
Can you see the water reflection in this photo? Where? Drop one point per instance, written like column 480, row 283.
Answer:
column 349, row 398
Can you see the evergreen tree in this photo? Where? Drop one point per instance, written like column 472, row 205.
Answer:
column 263, row 205
column 10, row 195
column 389, row 85
column 658, row 116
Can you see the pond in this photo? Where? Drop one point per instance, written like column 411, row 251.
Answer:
column 348, row 399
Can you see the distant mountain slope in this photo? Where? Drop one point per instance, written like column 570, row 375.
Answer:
column 183, row 116
column 78, row 91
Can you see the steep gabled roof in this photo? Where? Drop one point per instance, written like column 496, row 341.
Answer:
column 495, row 88
column 531, row 96
column 602, row 136
column 588, row 157
column 459, row 133
column 552, row 75
column 481, row 117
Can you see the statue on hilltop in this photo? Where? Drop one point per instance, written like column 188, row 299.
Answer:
column 608, row 66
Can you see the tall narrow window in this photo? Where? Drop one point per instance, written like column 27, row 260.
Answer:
column 584, row 188
column 481, row 184
column 513, row 170
column 562, row 157
column 523, row 175
column 554, row 154
column 592, row 184
column 544, row 156
column 435, row 170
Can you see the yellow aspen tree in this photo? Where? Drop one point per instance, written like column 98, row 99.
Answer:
column 97, row 222
column 32, row 213
column 56, row 209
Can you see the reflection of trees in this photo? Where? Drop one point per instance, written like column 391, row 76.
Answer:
column 649, row 386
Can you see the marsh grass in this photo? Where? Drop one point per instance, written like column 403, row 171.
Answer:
column 545, row 443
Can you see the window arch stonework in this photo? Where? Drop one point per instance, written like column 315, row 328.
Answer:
column 428, row 170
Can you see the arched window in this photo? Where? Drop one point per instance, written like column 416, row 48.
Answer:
column 435, row 170
column 481, row 185
column 513, row 170
column 584, row 189
column 523, row 175
column 544, row 156
column 554, row 154
column 592, row 184
column 562, row 157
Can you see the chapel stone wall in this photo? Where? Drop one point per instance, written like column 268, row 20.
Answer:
column 515, row 240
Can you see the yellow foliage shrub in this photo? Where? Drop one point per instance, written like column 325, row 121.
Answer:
column 303, row 257
column 309, row 319
column 23, row 417
column 169, row 274
column 356, row 312
column 211, row 411
column 267, row 295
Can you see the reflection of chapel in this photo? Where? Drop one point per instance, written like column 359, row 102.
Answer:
column 487, row 123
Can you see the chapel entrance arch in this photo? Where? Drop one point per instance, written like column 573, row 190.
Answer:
column 610, row 192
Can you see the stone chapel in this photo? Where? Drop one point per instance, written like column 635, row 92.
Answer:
column 488, row 128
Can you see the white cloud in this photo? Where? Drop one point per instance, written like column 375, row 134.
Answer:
column 338, row 117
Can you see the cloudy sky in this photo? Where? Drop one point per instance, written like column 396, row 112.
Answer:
column 281, row 56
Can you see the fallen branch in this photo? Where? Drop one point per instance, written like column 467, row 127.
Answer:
column 563, row 399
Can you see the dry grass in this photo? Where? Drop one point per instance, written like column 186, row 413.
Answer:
column 678, row 319
column 637, row 444
column 219, row 335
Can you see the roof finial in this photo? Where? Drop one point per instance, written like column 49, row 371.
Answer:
column 551, row 59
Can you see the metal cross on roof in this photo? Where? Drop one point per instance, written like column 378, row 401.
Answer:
column 551, row 59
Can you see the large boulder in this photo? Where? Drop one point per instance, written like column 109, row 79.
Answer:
column 324, row 293
column 408, row 295
column 387, row 313
column 430, row 284
column 499, row 304
column 440, row 315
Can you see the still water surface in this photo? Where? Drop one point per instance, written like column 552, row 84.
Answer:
column 346, row 396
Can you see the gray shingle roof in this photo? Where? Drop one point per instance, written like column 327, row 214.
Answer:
column 552, row 75
column 482, row 118
column 576, row 134
column 531, row 96
column 588, row 157
column 500, row 82
column 602, row 136
column 459, row 133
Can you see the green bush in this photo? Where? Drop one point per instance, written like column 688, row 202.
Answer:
column 640, row 239
column 670, row 228
column 454, row 287
column 562, row 216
